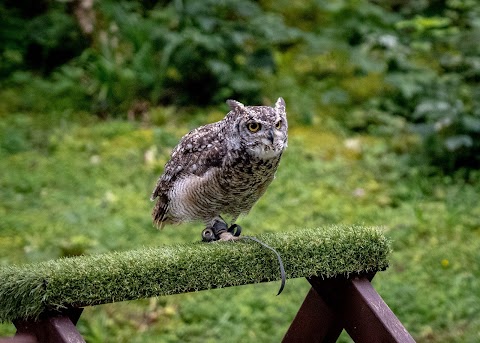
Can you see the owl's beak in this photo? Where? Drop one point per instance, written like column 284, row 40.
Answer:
column 270, row 135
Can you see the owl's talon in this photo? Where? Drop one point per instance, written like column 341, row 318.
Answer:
column 227, row 236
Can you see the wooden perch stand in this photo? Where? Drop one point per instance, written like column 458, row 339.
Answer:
column 338, row 262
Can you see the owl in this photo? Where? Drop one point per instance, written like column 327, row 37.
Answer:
column 218, row 171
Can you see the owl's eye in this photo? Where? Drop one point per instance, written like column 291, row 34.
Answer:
column 253, row 127
column 278, row 125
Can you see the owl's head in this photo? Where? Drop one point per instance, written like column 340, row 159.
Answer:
column 261, row 130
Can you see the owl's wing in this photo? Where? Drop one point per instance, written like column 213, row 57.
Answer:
column 199, row 151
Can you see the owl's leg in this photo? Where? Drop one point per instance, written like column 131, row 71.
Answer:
column 217, row 230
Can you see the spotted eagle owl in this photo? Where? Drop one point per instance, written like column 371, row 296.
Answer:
column 222, row 169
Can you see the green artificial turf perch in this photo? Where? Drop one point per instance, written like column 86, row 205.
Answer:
column 28, row 290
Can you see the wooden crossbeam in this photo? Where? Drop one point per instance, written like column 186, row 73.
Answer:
column 345, row 303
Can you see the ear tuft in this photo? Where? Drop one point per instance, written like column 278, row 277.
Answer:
column 280, row 104
column 234, row 104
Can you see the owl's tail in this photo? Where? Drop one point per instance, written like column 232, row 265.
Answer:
column 159, row 213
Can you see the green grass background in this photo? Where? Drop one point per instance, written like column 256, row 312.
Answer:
column 71, row 184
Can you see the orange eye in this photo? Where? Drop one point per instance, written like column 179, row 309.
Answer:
column 278, row 125
column 253, row 127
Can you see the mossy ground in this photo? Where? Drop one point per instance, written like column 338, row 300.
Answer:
column 74, row 185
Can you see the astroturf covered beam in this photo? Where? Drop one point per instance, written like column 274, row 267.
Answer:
column 29, row 290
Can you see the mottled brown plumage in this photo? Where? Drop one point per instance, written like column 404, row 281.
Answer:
column 222, row 168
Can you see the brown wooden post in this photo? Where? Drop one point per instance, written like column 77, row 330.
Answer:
column 352, row 304
column 314, row 322
column 368, row 318
column 57, row 328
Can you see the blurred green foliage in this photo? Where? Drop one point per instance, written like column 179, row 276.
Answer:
column 186, row 53
column 380, row 67
column 386, row 67
column 37, row 36
column 180, row 52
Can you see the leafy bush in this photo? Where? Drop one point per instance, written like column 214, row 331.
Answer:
column 387, row 68
column 186, row 53
column 37, row 37
column 333, row 72
column 380, row 67
column 437, row 90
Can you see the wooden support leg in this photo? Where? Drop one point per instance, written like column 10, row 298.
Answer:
column 368, row 318
column 53, row 329
column 314, row 322
column 353, row 304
